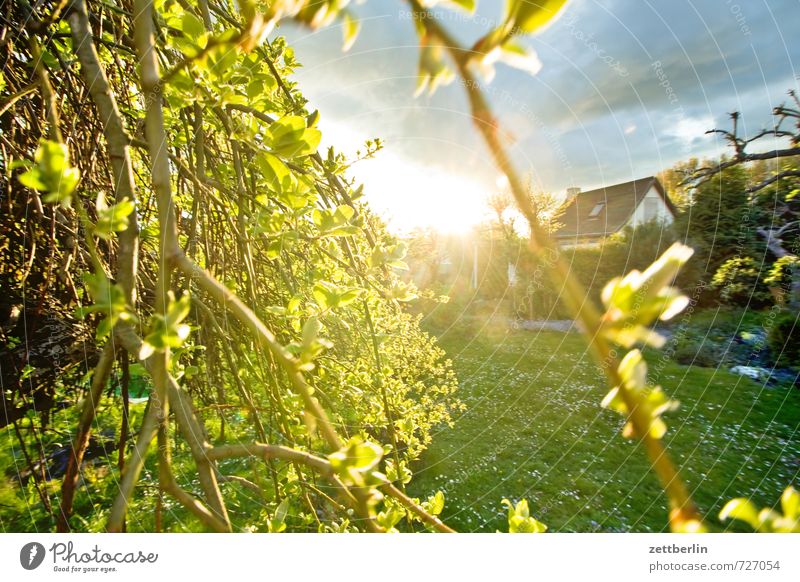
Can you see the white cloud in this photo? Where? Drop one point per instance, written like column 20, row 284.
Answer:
column 689, row 129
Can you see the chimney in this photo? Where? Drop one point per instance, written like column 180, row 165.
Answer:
column 572, row 193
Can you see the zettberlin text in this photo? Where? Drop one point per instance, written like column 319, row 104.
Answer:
column 676, row 549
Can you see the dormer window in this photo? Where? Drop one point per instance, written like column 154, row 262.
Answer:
column 598, row 208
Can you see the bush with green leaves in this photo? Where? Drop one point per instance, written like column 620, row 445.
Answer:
column 782, row 277
column 784, row 339
column 691, row 350
column 258, row 214
column 537, row 297
column 739, row 281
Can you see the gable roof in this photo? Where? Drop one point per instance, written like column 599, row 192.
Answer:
column 581, row 217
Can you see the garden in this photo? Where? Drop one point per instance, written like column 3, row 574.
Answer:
column 205, row 326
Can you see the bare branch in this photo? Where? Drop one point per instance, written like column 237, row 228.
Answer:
column 772, row 179
column 740, row 145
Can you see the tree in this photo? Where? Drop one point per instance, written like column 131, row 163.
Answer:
column 718, row 223
column 214, row 256
column 777, row 179
column 674, row 181
column 501, row 203
column 548, row 208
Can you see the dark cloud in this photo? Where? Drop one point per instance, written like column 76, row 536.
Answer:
column 626, row 88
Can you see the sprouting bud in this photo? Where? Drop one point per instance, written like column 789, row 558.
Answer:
column 652, row 402
column 636, row 300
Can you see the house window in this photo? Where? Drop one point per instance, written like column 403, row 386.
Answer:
column 598, row 208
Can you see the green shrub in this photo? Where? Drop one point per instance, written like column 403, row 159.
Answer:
column 739, row 282
column 694, row 351
column 784, row 340
column 781, row 276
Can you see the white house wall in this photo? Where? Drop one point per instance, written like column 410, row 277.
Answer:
column 662, row 210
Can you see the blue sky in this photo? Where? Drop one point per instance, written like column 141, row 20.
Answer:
column 626, row 89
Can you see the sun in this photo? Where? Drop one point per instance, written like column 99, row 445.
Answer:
column 412, row 195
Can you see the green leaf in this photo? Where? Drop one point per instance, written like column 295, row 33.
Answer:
column 650, row 401
column 277, row 523
column 348, row 296
column 347, row 230
column 112, row 219
column 634, row 301
column 436, row 503
column 403, row 292
column 167, row 330
column 294, row 304
column 343, row 214
column 220, row 61
column 51, row 173
column 529, row 16
column 289, row 137
column 296, row 192
column 274, row 249
column 311, row 330
column 312, row 345
column 324, row 297
column 109, row 300
column 365, row 456
column 520, row 57
column 742, row 509
column 192, row 27
column 468, row 5
column 286, row 130
column 520, row 520
column 269, row 222
column 403, row 474
column 321, row 218
column 33, row 179
column 389, row 517
column 309, row 142
column 355, row 460
column 335, row 223
column 790, row 503
column 350, row 28
column 433, row 70
column 255, row 89
column 329, row 296
column 189, row 49
column 178, row 310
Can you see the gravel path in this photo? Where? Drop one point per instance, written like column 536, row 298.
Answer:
column 562, row 325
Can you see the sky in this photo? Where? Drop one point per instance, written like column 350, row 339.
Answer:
column 626, row 89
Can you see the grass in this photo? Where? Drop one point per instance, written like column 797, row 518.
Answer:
column 534, row 429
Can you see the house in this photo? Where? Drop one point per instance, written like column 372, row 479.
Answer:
column 589, row 217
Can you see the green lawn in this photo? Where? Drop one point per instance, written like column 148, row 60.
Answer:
column 534, row 428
